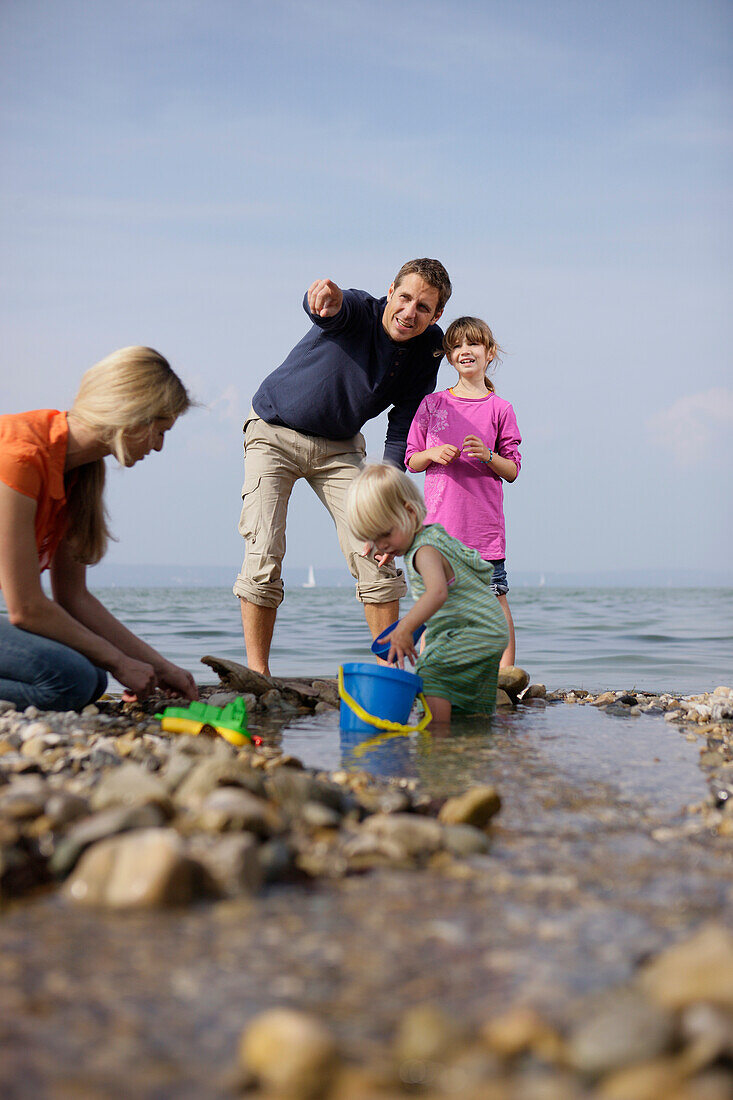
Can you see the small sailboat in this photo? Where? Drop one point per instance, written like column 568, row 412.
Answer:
column 542, row 581
column 311, row 582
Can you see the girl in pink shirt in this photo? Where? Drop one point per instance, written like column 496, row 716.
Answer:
column 466, row 440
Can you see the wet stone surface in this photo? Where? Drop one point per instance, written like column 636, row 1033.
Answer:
column 612, row 844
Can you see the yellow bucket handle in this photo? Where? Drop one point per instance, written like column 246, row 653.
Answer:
column 380, row 739
column 383, row 723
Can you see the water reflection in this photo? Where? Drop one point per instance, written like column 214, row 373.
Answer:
column 385, row 754
column 634, row 758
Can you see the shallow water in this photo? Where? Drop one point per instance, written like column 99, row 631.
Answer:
column 657, row 639
column 590, row 869
column 641, row 757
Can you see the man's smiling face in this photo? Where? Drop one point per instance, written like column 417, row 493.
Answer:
column 410, row 308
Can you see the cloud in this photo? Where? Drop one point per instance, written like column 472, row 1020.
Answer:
column 695, row 427
column 228, row 406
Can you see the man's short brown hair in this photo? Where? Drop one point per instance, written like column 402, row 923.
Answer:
column 434, row 274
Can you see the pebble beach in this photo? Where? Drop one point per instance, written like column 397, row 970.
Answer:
column 181, row 917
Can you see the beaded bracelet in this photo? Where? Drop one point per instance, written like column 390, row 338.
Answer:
column 487, row 461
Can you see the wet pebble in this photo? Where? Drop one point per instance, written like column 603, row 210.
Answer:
column 474, row 807
column 141, row 870
column 234, row 809
column 626, row 1028
column 91, row 830
column 232, row 862
column 290, row 1053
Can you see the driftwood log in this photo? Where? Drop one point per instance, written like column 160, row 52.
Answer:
column 236, row 677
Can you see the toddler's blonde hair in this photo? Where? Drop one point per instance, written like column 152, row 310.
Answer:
column 383, row 497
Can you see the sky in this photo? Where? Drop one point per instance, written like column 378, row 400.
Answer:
column 176, row 173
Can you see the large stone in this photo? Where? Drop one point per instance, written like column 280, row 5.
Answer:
column 367, row 850
column 21, row 803
column 654, row 1080
column 63, row 807
column 416, row 835
column 604, row 699
column 625, row 1028
column 178, row 766
column 232, row 862
column 721, row 708
column 328, row 692
column 292, row 788
column 513, row 680
column 475, row 806
column 35, row 730
column 375, row 801
column 229, row 809
column 465, row 840
column 144, row 869
column 521, row 1030
column 206, row 776
column 698, row 969
column 36, row 747
column 291, row 1053
column 426, row 1034
column 315, row 815
column 90, row 830
column 130, row 785
column 277, row 859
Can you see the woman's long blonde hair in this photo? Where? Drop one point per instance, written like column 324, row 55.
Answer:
column 383, row 497
column 125, row 392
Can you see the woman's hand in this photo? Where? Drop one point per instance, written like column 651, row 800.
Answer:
column 137, row 677
column 476, row 448
column 401, row 645
column 178, row 680
column 444, row 454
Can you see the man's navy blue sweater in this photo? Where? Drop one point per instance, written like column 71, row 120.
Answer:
column 346, row 370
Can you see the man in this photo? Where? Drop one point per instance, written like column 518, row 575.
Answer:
column 361, row 356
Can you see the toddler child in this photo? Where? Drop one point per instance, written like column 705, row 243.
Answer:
column 466, row 440
column 466, row 631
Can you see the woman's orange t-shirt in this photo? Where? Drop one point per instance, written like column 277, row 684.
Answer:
column 32, row 457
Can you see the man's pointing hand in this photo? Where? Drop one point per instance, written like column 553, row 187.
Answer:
column 324, row 298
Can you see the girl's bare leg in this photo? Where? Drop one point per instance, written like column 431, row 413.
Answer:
column 440, row 709
column 507, row 657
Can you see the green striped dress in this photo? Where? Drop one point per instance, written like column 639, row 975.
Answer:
column 466, row 637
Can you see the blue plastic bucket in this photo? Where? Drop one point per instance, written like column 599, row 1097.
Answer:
column 383, row 692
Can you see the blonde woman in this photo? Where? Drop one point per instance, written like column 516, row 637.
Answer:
column 55, row 652
column 466, row 630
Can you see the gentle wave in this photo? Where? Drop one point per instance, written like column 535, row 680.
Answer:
column 658, row 639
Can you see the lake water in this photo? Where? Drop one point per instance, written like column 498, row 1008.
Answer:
column 657, row 639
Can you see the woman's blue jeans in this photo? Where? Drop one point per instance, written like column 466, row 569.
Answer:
column 35, row 671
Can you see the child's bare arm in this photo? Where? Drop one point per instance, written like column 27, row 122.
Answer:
column 431, row 565
column 476, row 448
column 442, row 455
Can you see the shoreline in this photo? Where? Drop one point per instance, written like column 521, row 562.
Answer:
column 111, row 832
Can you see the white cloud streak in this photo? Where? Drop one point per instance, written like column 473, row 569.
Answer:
column 694, row 427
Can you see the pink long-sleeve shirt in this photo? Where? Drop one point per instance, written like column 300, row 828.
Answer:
column 467, row 496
